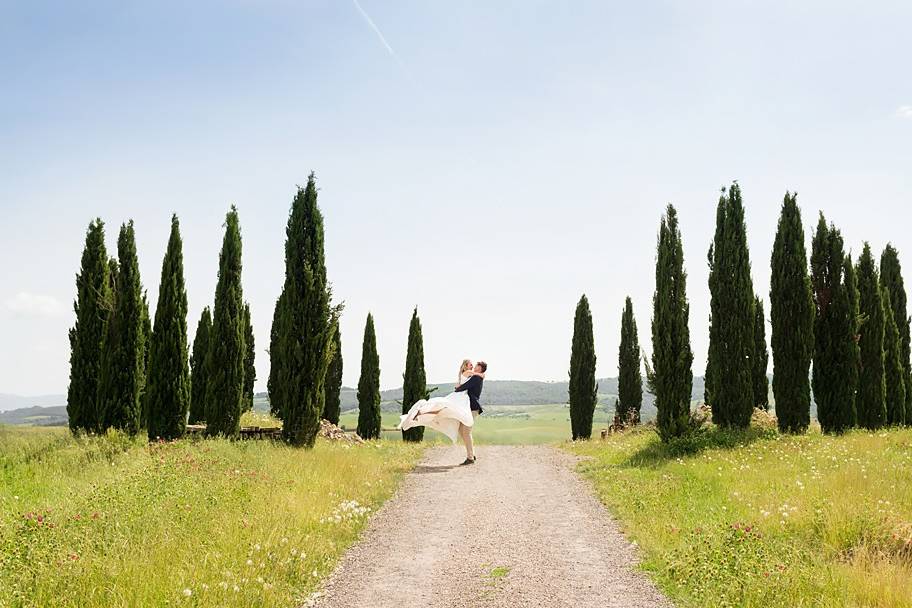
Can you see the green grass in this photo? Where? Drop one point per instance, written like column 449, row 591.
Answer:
column 758, row 519
column 112, row 521
column 502, row 424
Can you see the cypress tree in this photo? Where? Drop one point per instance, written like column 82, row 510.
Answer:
column 854, row 325
column 198, row 380
column 670, row 376
column 583, row 389
column 275, row 359
column 249, row 362
column 307, row 321
column 761, row 357
column 894, row 374
column 147, row 349
column 870, row 401
column 121, row 373
column 630, row 382
column 731, row 365
column 414, row 380
column 332, row 408
column 712, row 353
column 369, row 385
column 225, row 359
column 92, row 306
column 892, row 280
column 792, row 318
column 168, row 381
column 835, row 361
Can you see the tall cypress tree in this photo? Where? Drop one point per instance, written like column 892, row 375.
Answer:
column 870, row 401
column 630, row 382
column 414, row 380
column 891, row 279
column 715, row 327
column 225, row 360
column 670, row 376
column 92, row 307
column 121, row 373
column 332, row 408
column 249, row 362
column 792, row 318
column 731, row 366
column 369, row 385
column 761, row 357
column 198, row 380
column 835, row 360
column 307, row 321
column 168, row 381
column 894, row 374
column 583, row 389
column 276, row 335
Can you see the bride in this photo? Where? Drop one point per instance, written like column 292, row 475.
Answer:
column 443, row 414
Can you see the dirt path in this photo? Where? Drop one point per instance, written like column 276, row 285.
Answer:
column 504, row 532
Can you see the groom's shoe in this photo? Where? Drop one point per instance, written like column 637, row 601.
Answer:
column 468, row 461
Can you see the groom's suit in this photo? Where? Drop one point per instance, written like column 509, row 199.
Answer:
column 473, row 387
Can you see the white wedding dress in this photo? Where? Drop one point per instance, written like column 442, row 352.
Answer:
column 443, row 414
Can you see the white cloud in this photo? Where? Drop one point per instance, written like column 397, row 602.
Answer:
column 25, row 304
column 904, row 112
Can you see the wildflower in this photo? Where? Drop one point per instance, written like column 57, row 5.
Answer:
column 187, row 592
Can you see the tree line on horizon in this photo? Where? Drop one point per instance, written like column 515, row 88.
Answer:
column 849, row 319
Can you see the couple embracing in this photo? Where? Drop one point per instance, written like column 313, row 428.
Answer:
column 453, row 415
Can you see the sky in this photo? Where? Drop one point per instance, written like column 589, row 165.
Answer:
column 486, row 161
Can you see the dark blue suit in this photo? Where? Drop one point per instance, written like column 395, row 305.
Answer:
column 473, row 387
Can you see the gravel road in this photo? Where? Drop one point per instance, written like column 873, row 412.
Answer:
column 519, row 528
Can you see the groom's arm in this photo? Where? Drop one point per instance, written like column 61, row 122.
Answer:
column 471, row 382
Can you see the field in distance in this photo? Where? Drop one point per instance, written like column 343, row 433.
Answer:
column 502, row 424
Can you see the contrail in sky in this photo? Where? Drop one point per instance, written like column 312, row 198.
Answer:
column 376, row 29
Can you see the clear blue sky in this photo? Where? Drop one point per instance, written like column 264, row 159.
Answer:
column 486, row 161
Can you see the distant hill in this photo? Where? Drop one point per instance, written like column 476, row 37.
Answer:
column 13, row 402
column 55, row 415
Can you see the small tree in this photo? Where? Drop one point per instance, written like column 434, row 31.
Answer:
column 276, row 334
column 792, row 318
column 198, row 380
column 225, row 360
column 670, row 376
column 249, row 362
column 761, row 357
column 583, row 389
column 369, row 385
column 168, row 381
column 332, row 408
column 630, row 381
column 414, row 380
column 871, row 399
column 92, row 306
column 894, row 374
column 121, row 376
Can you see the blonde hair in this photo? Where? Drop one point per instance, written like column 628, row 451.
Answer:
column 462, row 368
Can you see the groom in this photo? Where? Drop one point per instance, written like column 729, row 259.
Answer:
column 473, row 387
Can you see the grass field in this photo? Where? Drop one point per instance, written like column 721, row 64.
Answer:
column 501, row 424
column 116, row 522
column 758, row 519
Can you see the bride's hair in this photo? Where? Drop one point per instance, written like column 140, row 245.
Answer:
column 462, row 368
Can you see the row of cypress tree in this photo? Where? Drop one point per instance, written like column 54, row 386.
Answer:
column 851, row 320
column 414, row 380
column 128, row 374
column 583, row 389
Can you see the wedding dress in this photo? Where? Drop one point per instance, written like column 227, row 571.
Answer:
column 443, row 414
